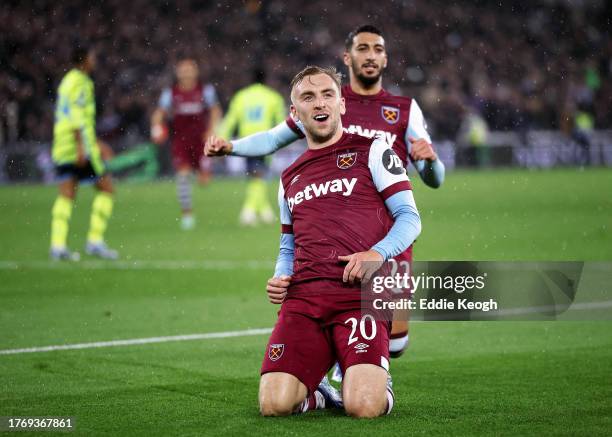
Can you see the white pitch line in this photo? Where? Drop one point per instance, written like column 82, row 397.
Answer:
column 261, row 331
column 136, row 341
column 139, row 265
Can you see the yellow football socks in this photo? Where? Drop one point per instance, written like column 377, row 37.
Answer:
column 60, row 216
column 100, row 213
column 257, row 196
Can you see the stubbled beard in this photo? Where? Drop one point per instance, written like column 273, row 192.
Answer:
column 366, row 81
column 323, row 138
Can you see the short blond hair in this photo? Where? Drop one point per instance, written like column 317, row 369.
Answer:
column 313, row 70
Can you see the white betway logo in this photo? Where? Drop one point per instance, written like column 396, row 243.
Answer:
column 311, row 191
column 189, row 108
column 371, row 133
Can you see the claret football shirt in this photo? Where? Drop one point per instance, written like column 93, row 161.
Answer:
column 332, row 200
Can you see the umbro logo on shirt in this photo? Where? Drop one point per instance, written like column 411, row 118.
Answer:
column 361, row 348
column 311, row 191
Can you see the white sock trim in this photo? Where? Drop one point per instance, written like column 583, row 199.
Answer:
column 390, row 401
column 183, row 188
column 320, row 400
column 398, row 344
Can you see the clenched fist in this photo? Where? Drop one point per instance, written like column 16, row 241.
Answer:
column 216, row 146
column 421, row 149
column 277, row 289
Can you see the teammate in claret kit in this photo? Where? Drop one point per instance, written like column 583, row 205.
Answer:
column 346, row 206
column 370, row 110
column 195, row 112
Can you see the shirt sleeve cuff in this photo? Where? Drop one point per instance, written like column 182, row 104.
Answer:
column 395, row 188
column 294, row 127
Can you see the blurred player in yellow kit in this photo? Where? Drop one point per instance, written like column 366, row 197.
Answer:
column 254, row 109
column 78, row 158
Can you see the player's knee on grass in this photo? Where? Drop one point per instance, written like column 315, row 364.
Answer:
column 364, row 391
column 280, row 394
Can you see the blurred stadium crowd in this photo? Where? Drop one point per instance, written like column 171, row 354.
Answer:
column 521, row 65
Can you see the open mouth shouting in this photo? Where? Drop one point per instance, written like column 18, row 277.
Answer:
column 321, row 118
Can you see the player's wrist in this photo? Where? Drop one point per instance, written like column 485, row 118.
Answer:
column 378, row 252
column 282, row 273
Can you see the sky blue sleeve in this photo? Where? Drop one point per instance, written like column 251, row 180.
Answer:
column 165, row 100
column 209, row 96
column 431, row 172
column 406, row 228
column 284, row 262
column 264, row 143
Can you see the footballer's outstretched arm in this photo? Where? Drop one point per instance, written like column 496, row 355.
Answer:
column 422, row 155
column 267, row 142
column 259, row 144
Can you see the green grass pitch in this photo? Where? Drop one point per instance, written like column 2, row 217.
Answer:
column 457, row 378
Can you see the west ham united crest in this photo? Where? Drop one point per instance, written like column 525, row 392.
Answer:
column 346, row 160
column 276, row 351
column 390, row 114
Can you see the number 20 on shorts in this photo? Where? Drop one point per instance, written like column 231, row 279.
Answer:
column 366, row 334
